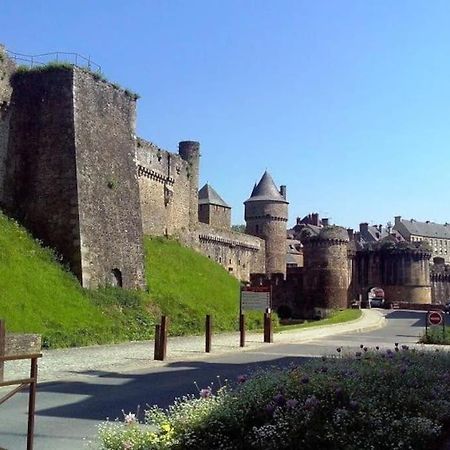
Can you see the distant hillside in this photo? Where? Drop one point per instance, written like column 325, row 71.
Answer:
column 38, row 295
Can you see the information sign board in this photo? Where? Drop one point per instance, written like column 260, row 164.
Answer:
column 255, row 298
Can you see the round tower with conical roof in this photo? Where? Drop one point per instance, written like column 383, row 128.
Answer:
column 266, row 215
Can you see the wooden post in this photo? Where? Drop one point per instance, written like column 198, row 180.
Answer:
column 157, row 341
column 163, row 338
column 32, row 403
column 242, row 330
column 208, row 333
column 2, row 347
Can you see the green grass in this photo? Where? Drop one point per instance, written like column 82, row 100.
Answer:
column 436, row 335
column 339, row 316
column 37, row 295
column 187, row 285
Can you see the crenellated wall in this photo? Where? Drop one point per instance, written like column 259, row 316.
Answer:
column 164, row 190
column 401, row 270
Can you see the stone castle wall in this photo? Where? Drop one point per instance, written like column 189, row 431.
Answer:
column 404, row 275
column 41, row 185
column 239, row 253
column 7, row 68
column 215, row 215
column 71, row 174
column 110, row 224
column 164, row 189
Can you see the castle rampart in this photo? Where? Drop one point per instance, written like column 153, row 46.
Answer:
column 71, row 176
column 239, row 253
column 165, row 190
column 402, row 270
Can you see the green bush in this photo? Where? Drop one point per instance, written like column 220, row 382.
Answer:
column 371, row 400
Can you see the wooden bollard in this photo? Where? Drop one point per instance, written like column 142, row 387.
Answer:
column 157, row 341
column 2, row 347
column 163, row 338
column 268, row 330
column 208, row 333
column 242, row 330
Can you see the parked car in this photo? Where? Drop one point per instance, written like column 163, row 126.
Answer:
column 377, row 302
column 447, row 308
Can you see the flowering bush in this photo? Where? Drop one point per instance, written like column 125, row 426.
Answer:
column 395, row 399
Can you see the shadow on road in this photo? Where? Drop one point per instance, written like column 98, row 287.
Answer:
column 108, row 393
column 417, row 316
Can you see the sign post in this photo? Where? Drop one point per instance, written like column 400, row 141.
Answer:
column 435, row 318
column 256, row 298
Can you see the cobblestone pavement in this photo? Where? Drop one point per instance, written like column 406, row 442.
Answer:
column 75, row 362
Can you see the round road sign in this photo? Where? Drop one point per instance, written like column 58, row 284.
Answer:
column 434, row 317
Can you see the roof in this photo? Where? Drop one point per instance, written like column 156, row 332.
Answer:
column 208, row 196
column 266, row 190
column 426, row 229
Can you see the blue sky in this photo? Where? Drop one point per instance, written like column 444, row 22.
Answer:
column 345, row 102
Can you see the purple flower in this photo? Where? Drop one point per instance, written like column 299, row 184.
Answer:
column 291, row 403
column 377, row 348
column 403, row 370
column 361, row 346
column 339, row 394
column 339, row 349
column 353, row 405
column 324, row 369
column 279, row 399
column 242, row 378
column 365, row 349
column 405, row 347
column 311, row 402
column 270, row 408
column 305, row 380
column 205, row 393
column 358, row 354
column 396, row 344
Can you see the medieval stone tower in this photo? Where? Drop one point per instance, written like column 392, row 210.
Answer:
column 326, row 270
column 71, row 172
column 266, row 215
column 401, row 269
column 190, row 152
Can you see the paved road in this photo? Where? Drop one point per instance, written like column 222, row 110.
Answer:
column 68, row 411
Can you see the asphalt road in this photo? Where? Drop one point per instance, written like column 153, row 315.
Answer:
column 68, row 412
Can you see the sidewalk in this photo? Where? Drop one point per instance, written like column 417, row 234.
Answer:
column 75, row 362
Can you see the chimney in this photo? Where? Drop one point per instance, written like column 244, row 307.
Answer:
column 397, row 220
column 380, row 228
column 363, row 227
column 350, row 233
column 283, row 191
column 325, row 222
column 299, row 220
column 315, row 219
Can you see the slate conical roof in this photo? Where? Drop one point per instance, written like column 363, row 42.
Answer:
column 266, row 190
column 208, row 196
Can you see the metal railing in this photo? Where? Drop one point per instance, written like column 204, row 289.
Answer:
column 54, row 57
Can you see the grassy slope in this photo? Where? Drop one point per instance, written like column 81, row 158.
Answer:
column 38, row 295
column 187, row 286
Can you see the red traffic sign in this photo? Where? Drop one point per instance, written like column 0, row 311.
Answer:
column 435, row 318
